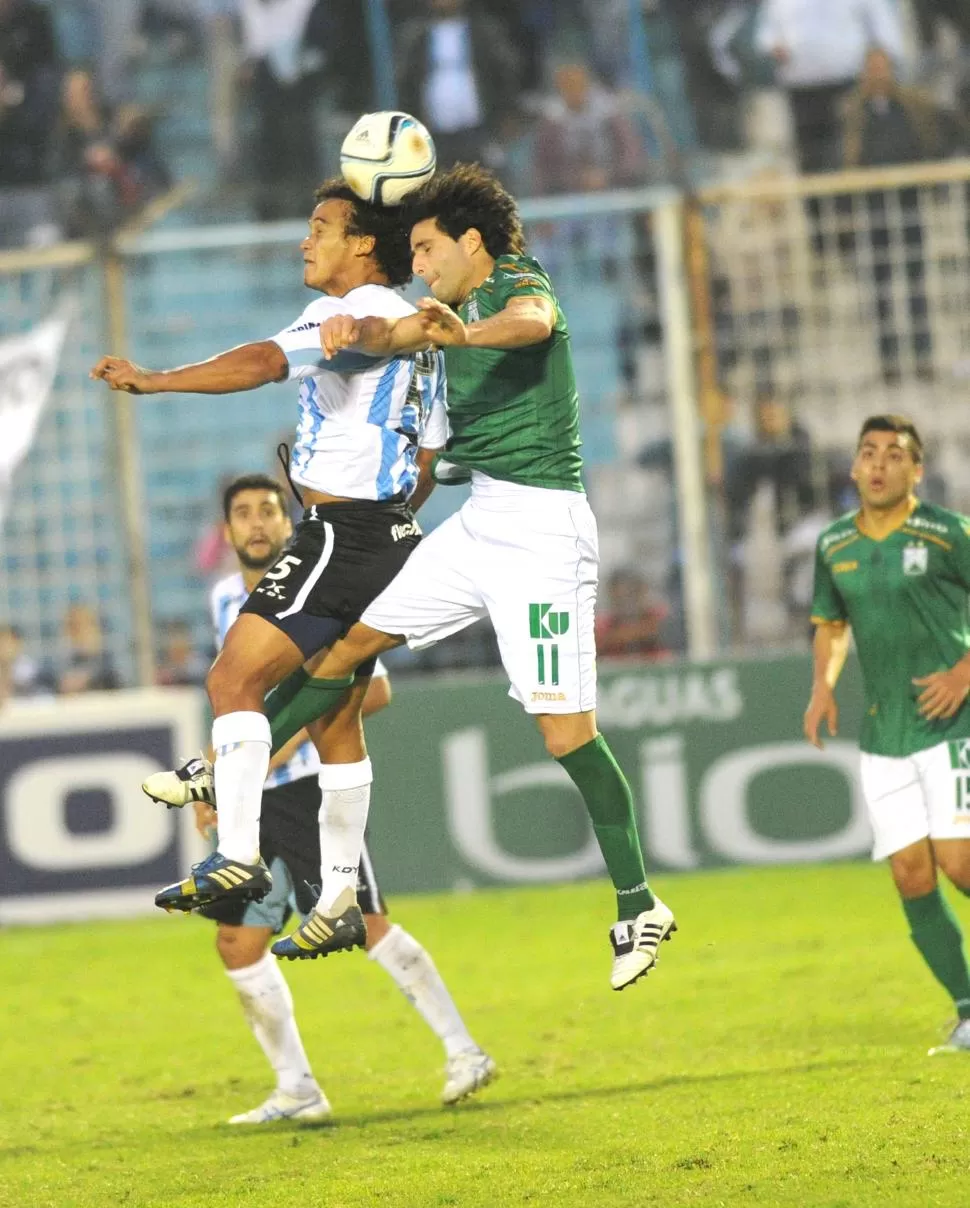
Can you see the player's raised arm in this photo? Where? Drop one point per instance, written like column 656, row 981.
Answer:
column 242, row 368
column 522, row 322
column 373, row 335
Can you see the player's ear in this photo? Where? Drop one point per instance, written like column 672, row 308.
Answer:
column 471, row 241
column 226, row 534
column 366, row 245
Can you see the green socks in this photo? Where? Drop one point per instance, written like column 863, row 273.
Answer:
column 298, row 700
column 937, row 935
column 609, row 801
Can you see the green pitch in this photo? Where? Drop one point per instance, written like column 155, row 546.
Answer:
column 776, row 1057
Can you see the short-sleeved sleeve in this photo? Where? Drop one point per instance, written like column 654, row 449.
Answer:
column 827, row 603
column 301, row 345
column 521, row 277
column 435, row 432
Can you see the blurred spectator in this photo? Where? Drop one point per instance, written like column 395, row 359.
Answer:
column 20, row 675
column 820, row 47
column 887, row 123
column 106, row 171
column 781, row 455
column 88, row 667
column 181, row 665
column 285, row 54
column 28, row 101
column 630, row 623
column 585, row 141
column 459, row 72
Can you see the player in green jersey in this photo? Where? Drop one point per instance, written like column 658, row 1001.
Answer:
column 896, row 575
column 523, row 549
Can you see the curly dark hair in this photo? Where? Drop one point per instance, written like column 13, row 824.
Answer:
column 468, row 196
column 387, row 224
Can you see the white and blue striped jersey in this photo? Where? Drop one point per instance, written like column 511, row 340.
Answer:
column 225, row 601
column 362, row 419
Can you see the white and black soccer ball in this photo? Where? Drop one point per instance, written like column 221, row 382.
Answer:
column 386, row 156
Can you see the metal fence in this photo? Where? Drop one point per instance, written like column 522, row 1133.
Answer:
column 117, row 504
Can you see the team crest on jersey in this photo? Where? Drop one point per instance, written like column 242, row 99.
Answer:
column 915, row 558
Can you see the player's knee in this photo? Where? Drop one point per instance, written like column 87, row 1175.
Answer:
column 239, row 947
column 913, row 872
column 567, row 733
column 957, row 871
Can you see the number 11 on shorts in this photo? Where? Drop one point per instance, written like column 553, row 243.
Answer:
column 553, row 664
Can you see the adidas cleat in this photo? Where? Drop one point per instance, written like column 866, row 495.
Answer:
column 467, row 1073
column 957, row 1042
column 635, row 944
column 193, row 781
column 217, row 879
column 319, row 935
column 281, row 1106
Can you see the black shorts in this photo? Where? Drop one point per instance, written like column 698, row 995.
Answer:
column 289, row 842
column 341, row 556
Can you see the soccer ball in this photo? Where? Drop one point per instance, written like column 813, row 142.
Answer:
column 386, row 156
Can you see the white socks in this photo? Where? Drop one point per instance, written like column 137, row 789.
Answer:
column 345, row 800
column 414, row 971
column 268, row 1007
column 242, row 743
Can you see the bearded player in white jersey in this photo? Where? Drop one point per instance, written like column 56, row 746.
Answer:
column 368, row 432
column 257, row 527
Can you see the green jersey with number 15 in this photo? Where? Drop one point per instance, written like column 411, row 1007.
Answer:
column 514, row 412
column 906, row 598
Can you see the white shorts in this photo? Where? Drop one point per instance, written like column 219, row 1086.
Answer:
column 528, row 559
column 926, row 795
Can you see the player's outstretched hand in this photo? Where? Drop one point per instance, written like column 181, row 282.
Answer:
column 821, row 707
column 943, row 692
column 337, row 333
column 121, row 375
column 441, row 325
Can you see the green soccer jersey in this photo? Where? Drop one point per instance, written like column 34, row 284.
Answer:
column 514, row 413
column 906, row 598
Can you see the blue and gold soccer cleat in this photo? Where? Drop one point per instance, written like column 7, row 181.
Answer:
column 217, row 879
column 319, row 934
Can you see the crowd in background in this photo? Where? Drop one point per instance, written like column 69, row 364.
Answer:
column 551, row 95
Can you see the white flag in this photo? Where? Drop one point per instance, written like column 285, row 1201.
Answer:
column 28, row 366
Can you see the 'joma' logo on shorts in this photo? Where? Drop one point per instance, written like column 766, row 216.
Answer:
column 548, row 695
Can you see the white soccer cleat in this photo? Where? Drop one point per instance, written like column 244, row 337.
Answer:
column 467, row 1073
column 957, row 1042
column 635, row 944
column 193, row 781
column 281, row 1106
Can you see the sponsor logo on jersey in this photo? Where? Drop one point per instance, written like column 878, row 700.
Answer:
column 306, row 327
column 841, row 568
column 833, row 538
column 916, row 558
column 931, row 525
column 473, row 314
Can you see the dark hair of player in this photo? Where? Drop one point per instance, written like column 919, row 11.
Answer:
column 386, row 223
column 468, row 196
column 899, row 424
column 251, row 482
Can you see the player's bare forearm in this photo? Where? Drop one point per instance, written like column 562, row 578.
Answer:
column 389, row 337
column 830, row 650
column 242, row 368
column 525, row 321
column 426, row 482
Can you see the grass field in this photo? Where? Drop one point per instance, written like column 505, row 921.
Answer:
column 776, row 1057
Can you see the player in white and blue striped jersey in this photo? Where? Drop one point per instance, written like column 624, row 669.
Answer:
column 257, row 527
column 368, row 432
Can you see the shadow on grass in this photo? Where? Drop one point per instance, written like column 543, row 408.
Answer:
column 491, row 1104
